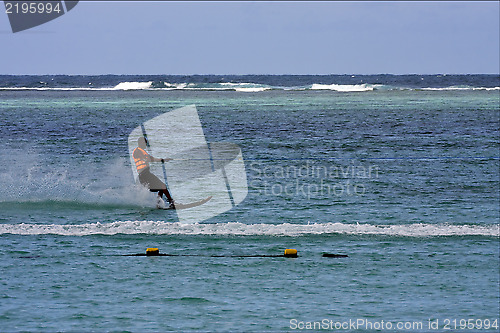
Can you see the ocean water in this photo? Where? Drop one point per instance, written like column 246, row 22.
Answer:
column 400, row 173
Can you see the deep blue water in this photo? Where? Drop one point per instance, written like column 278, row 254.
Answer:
column 213, row 82
column 401, row 173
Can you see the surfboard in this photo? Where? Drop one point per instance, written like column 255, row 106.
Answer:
column 189, row 205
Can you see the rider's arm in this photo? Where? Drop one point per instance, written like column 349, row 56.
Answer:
column 154, row 159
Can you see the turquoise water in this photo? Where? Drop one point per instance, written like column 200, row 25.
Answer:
column 403, row 181
column 73, row 283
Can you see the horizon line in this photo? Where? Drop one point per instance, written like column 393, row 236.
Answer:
column 344, row 74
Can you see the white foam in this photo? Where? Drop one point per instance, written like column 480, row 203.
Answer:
column 252, row 89
column 247, row 87
column 133, row 85
column 174, row 86
column 453, row 88
column 229, row 86
column 241, row 229
column 343, row 87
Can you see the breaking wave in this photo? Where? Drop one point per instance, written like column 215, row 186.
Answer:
column 345, row 87
column 133, row 85
column 241, row 229
column 243, row 87
column 455, row 88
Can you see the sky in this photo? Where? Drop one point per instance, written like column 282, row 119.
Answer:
column 156, row 37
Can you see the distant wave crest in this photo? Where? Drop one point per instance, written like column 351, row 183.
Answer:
column 243, row 87
column 241, row 229
column 256, row 83
column 454, row 88
column 344, row 87
column 133, row 85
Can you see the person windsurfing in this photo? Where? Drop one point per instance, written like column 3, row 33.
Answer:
column 146, row 178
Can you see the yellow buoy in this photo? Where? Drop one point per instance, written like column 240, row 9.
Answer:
column 291, row 253
column 152, row 251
